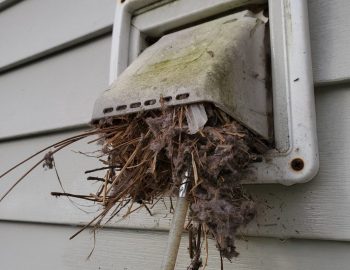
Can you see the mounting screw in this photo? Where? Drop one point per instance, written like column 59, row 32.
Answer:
column 297, row 164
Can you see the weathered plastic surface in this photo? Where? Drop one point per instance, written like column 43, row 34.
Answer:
column 294, row 122
column 222, row 61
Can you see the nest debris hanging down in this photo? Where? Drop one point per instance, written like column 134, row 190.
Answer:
column 145, row 156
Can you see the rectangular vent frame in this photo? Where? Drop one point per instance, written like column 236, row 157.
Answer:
column 295, row 157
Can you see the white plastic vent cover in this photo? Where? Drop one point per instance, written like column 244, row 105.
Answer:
column 295, row 157
column 222, row 61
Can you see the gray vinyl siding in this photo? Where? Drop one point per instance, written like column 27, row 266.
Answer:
column 54, row 92
column 136, row 250
column 330, row 38
column 34, row 28
column 47, row 90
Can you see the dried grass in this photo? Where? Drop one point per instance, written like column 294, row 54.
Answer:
column 144, row 157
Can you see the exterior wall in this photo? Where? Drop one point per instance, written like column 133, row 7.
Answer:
column 47, row 89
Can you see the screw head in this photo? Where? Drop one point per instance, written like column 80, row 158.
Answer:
column 297, row 164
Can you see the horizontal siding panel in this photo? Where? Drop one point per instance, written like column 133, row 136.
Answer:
column 32, row 201
column 6, row 3
column 317, row 209
column 34, row 27
column 134, row 250
column 55, row 92
column 330, row 36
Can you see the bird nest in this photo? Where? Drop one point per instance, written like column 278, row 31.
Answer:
column 144, row 157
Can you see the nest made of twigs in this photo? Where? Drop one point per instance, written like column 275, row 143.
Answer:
column 145, row 155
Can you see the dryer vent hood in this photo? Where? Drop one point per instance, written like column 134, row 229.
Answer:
column 221, row 61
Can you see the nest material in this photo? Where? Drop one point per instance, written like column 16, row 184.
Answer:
column 145, row 157
column 153, row 150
